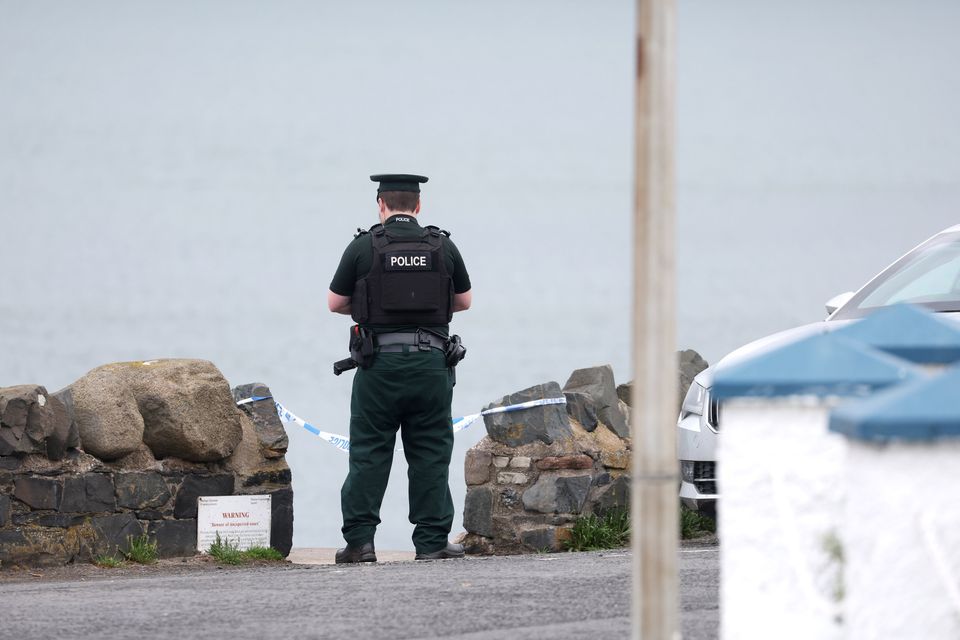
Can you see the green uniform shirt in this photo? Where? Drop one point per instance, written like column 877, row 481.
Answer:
column 357, row 260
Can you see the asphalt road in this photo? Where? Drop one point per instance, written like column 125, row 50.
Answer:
column 549, row 596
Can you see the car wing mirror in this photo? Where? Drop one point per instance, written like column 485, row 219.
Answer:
column 838, row 301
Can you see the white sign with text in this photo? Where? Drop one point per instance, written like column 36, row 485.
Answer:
column 243, row 520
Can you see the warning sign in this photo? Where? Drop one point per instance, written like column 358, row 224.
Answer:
column 243, row 520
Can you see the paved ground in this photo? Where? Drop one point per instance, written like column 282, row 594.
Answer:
column 550, row 596
column 326, row 556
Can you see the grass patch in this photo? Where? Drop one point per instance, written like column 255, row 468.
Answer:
column 694, row 524
column 140, row 550
column 593, row 533
column 226, row 552
column 108, row 562
column 263, row 553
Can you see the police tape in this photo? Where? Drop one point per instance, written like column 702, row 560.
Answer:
column 459, row 424
column 343, row 443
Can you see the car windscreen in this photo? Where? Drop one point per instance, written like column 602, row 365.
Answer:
column 928, row 276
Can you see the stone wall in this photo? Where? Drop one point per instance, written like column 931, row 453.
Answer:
column 538, row 470
column 127, row 450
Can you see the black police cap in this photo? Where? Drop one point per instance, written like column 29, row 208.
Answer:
column 398, row 182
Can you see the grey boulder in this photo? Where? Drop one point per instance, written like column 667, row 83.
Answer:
column 178, row 408
column 262, row 411
column 33, row 421
column 546, row 423
column 552, row 494
column 597, row 385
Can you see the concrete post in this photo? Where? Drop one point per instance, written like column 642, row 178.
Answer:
column 901, row 535
column 779, row 473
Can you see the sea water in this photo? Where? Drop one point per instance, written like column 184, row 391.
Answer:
column 180, row 181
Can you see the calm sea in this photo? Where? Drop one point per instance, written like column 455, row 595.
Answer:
column 179, row 179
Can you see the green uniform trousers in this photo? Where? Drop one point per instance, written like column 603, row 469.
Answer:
column 411, row 391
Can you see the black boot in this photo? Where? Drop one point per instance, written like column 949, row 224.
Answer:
column 361, row 553
column 450, row 551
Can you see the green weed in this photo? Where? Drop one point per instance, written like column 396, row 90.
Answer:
column 694, row 524
column 227, row 552
column 610, row 530
column 263, row 553
column 141, row 550
column 108, row 562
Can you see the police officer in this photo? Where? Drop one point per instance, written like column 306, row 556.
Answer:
column 401, row 283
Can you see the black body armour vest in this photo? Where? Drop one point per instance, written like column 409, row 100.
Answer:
column 408, row 282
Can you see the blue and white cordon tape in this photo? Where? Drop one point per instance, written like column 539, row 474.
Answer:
column 343, row 443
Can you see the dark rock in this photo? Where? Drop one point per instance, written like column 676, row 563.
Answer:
column 616, row 496
column 597, row 383
column 32, row 421
column 38, row 546
column 476, row 466
column 478, row 511
column 194, row 487
column 38, row 493
column 280, row 476
column 4, row 510
column 149, row 514
column 625, row 392
column 263, row 413
column 281, row 520
column 72, row 438
column 12, row 546
column 141, row 490
column 547, row 423
column 565, row 462
column 9, row 441
column 506, row 539
column 15, row 405
column 542, row 496
column 602, row 479
column 65, row 435
column 60, row 520
column 88, row 493
column 690, row 364
column 174, row 538
column 112, row 533
column 552, row 494
column 10, row 463
column 544, row 539
column 580, row 408
column 572, row 493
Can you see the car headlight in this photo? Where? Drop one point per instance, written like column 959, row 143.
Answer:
column 694, row 401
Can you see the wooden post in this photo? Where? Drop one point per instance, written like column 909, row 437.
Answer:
column 654, row 414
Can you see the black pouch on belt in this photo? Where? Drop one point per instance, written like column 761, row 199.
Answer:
column 454, row 351
column 362, row 349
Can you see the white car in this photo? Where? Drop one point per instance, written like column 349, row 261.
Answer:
column 928, row 275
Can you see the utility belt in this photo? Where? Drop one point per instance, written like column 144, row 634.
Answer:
column 365, row 344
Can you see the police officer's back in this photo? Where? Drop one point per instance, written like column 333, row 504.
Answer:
column 401, row 283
